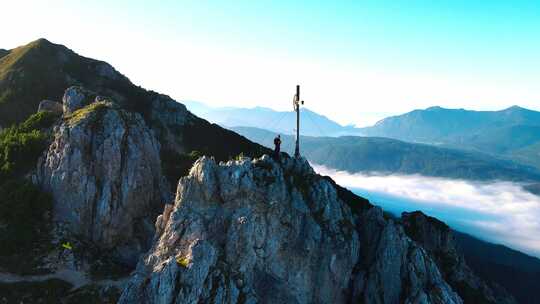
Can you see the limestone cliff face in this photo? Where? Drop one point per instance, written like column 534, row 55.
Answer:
column 262, row 232
column 437, row 238
column 169, row 118
column 104, row 172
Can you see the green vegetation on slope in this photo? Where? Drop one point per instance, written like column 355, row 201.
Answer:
column 21, row 146
column 25, row 218
column 24, row 209
column 29, row 74
column 43, row 70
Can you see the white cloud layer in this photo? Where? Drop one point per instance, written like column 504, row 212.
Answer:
column 499, row 212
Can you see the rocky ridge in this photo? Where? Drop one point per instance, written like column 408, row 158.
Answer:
column 103, row 169
column 436, row 237
column 255, row 231
column 42, row 70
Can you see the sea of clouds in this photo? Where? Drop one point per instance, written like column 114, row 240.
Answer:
column 499, row 212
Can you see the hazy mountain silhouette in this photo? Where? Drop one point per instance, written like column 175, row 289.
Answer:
column 284, row 122
column 512, row 133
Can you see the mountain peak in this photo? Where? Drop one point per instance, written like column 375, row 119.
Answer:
column 435, row 108
column 43, row 70
column 515, row 108
column 38, row 46
column 41, row 42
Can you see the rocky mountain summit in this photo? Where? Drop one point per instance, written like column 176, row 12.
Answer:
column 257, row 231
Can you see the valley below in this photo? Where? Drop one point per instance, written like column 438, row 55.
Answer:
column 497, row 212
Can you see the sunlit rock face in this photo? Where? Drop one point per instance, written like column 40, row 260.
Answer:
column 258, row 231
column 76, row 98
column 104, row 172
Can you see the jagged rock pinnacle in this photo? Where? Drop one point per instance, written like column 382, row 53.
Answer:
column 103, row 169
column 256, row 231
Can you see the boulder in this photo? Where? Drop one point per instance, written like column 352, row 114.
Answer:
column 75, row 98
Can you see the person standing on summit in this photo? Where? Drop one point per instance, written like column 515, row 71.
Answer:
column 277, row 144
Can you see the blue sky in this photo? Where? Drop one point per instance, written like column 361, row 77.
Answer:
column 357, row 61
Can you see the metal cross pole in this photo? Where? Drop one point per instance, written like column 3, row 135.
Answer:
column 297, row 103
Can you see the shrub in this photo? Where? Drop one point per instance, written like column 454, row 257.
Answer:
column 21, row 146
column 39, row 121
column 24, row 209
column 182, row 261
column 240, row 156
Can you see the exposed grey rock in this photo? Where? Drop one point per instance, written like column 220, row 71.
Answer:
column 169, row 116
column 104, row 172
column 76, row 98
column 261, row 232
column 393, row 268
column 51, row 106
column 437, row 238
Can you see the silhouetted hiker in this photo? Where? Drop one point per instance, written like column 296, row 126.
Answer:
column 277, row 143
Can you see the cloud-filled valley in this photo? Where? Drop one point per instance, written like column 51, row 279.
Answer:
column 499, row 212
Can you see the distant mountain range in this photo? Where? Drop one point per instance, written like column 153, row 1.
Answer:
column 438, row 124
column 384, row 155
column 284, row 122
column 512, row 134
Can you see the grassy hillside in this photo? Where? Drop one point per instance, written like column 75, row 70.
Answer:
column 372, row 154
column 24, row 209
column 29, row 74
column 44, row 70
